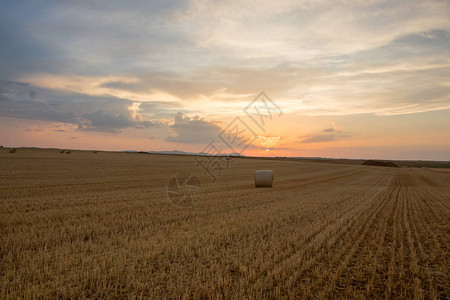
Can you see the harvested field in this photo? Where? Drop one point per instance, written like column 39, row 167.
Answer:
column 101, row 226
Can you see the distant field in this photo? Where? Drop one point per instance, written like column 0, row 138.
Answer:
column 101, row 226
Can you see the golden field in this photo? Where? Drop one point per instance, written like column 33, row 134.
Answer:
column 89, row 225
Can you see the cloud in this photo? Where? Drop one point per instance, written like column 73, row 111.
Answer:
column 386, row 59
column 158, row 109
column 319, row 139
column 322, row 138
column 193, row 131
column 26, row 109
column 332, row 134
column 59, row 130
column 108, row 122
column 104, row 121
column 17, row 101
column 334, row 128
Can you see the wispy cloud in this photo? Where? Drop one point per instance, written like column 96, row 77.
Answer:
column 319, row 139
column 334, row 128
column 331, row 134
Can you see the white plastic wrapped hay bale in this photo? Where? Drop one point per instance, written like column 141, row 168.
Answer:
column 264, row 178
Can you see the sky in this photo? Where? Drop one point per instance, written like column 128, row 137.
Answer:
column 341, row 79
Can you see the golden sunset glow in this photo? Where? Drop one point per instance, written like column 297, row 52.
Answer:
column 353, row 79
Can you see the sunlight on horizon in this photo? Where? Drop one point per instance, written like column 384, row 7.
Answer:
column 354, row 80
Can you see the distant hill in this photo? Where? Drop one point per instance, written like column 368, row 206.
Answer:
column 171, row 152
column 178, row 152
column 317, row 159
